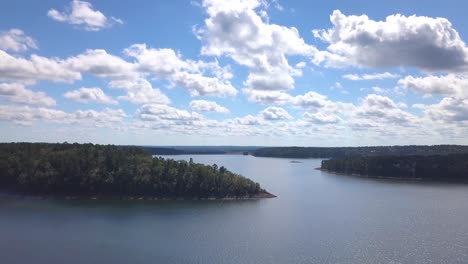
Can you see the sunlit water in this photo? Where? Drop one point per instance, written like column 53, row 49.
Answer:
column 317, row 218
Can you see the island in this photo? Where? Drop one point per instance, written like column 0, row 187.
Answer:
column 108, row 171
column 446, row 168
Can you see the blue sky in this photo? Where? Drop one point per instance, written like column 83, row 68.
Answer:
column 234, row 72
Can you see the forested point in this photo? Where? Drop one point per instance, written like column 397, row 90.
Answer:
column 89, row 170
column 346, row 152
column 449, row 168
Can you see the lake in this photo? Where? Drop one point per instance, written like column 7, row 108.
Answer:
column 317, row 217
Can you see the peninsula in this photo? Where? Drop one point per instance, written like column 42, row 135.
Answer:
column 108, row 171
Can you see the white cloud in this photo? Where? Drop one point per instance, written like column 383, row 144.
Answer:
column 248, row 120
column 275, row 113
column 207, row 106
column 25, row 115
column 430, row 44
column 199, row 77
column 36, row 68
column 86, row 95
column 237, row 29
column 155, row 112
column 15, row 40
column 448, row 110
column 97, row 118
column 96, row 62
column 322, row 118
column 301, row 64
column 200, row 85
column 378, row 90
column 268, row 97
column 452, row 85
column 17, row 93
column 312, row 100
column 375, row 76
column 167, row 64
column 81, row 13
column 383, row 110
column 102, row 64
column 140, row 91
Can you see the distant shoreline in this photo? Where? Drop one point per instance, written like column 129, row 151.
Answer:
column 400, row 179
column 374, row 177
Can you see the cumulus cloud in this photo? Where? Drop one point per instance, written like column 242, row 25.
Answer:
column 35, row 68
column 238, row 30
column 275, row 113
column 199, row 77
column 17, row 93
column 312, row 100
column 167, row 64
column 268, row 97
column 87, row 95
column 448, row 110
column 375, row 76
column 140, row 91
column 301, row 64
column 427, row 43
column 248, row 120
column 383, row 110
column 309, row 101
column 102, row 64
column 25, row 115
column 15, row 40
column 322, row 118
column 452, row 85
column 82, row 14
column 155, row 112
column 97, row 118
column 207, row 106
column 378, row 90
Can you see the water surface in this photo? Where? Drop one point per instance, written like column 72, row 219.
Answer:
column 317, row 217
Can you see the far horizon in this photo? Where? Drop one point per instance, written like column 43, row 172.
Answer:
column 251, row 72
column 234, row 146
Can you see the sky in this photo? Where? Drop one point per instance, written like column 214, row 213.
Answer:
column 238, row 72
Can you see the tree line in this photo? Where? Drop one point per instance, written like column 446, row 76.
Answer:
column 452, row 167
column 345, row 152
column 88, row 169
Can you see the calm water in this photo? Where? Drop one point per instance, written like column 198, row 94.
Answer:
column 317, row 218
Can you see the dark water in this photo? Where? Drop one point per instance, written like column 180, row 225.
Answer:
column 317, row 218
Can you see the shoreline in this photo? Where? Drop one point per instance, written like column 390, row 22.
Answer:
column 16, row 195
column 402, row 179
column 375, row 177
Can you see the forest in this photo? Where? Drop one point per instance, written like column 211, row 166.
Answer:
column 346, row 152
column 114, row 171
column 449, row 168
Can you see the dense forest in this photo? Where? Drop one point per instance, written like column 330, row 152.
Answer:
column 117, row 171
column 344, row 152
column 452, row 167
